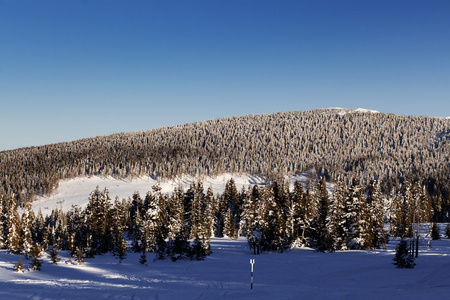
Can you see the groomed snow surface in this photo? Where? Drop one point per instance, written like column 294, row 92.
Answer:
column 295, row 274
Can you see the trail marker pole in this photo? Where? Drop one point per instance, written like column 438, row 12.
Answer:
column 252, row 262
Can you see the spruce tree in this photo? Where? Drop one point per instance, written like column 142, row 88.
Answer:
column 35, row 254
column 434, row 232
column 79, row 256
column 336, row 217
column 447, row 231
column 197, row 250
column 143, row 258
column 98, row 210
column 14, row 228
column 375, row 204
column 403, row 258
column 54, row 255
column 320, row 238
column 19, row 267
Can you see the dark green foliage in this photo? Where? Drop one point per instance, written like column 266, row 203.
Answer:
column 179, row 247
column 161, row 250
column 121, row 250
column 35, row 254
column 54, row 255
column 79, row 255
column 434, row 232
column 19, row 267
column 447, row 231
column 402, row 257
column 320, row 238
column 143, row 258
column 197, row 250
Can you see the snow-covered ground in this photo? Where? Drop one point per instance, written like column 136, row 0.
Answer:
column 76, row 191
column 343, row 111
column 295, row 274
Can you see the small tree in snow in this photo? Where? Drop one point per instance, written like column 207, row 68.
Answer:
column 402, row 257
column 79, row 255
column 19, row 266
column 54, row 258
column 35, row 254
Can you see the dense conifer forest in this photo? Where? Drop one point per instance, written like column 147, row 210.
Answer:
column 385, row 169
column 335, row 144
column 179, row 225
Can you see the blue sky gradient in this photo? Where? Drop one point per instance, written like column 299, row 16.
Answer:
column 75, row 69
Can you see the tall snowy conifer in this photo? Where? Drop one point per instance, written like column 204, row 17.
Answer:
column 320, row 238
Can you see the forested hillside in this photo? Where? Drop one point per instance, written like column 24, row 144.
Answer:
column 335, row 144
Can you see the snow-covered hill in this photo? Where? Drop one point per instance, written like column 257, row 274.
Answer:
column 296, row 274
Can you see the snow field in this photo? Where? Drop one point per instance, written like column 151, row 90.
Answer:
column 296, row 274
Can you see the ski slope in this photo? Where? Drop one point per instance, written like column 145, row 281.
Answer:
column 295, row 274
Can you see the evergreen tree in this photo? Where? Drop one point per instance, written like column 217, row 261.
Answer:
column 98, row 213
column 230, row 227
column 274, row 229
column 300, row 216
column 27, row 229
column 118, row 219
column 14, row 228
column 320, row 238
column 143, row 258
column 154, row 222
column 336, row 221
column 161, row 250
column 209, row 215
column 198, row 252
column 355, row 223
column 4, row 220
column 175, row 212
column 231, row 202
column 54, row 255
column 135, row 222
column 19, row 267
column 376, row 234
column 197, row 213
column 447, row 231
column 434, row 232
column 35, row 254
column 79, row 256
column 252, row 219
column 402, row 257
column 399, row 220
column 179, row 247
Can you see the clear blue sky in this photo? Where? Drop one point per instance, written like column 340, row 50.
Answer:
column 74, row 69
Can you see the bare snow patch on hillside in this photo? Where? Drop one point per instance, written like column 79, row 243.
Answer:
column 364, row 110
column 77, row 191
column 343, row 111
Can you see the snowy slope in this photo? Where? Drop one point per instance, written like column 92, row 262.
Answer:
column 76, row 191
column 296, row 274
column 343, row 111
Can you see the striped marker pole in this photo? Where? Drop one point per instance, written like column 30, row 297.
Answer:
column 252, row 262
